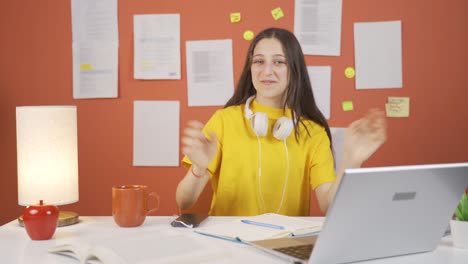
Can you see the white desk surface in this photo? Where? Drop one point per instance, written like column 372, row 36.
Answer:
column 157, row 242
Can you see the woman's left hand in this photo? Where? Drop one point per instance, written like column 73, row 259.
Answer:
column 363, row 137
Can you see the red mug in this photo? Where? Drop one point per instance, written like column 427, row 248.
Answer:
column 130, row 204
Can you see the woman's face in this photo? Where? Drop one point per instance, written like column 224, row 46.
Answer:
column 269, row 72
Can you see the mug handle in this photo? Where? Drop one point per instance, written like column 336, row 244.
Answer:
column 156, row 197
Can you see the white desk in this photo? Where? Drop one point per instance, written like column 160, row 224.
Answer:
column 157, row 242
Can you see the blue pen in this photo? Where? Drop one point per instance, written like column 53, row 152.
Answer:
column 249, row 222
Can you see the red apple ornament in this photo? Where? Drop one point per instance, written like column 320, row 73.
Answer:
column 40, row 220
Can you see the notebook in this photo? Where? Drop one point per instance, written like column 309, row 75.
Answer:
column 260, row 227
column 381, row 212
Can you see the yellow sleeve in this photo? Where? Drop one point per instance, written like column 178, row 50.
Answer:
column 322, row 165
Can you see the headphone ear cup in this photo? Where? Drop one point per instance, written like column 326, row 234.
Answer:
column 283, row 128
column 260, row 124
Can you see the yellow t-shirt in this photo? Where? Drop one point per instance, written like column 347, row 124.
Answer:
column 234, row 170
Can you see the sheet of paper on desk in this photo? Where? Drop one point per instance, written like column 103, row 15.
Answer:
column 239, row 231
column 212, row 255
column 132, row 251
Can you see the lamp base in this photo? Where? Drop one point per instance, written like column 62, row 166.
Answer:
column 65, row 218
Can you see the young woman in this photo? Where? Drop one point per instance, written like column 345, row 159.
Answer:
column 270, row 144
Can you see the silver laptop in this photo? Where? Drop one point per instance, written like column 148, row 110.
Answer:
column 381, row 212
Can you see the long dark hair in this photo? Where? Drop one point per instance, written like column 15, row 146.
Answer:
column 299, row 95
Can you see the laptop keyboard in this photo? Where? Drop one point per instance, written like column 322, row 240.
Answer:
column 300, row 252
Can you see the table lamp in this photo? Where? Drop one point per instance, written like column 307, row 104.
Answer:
column 47, row 156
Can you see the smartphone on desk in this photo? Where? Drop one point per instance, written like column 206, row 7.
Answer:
column 189, row 220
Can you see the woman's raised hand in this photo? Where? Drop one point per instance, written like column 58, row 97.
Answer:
column 363, row 137
column 198, row 148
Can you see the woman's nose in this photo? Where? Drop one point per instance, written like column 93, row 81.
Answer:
column 268, row 68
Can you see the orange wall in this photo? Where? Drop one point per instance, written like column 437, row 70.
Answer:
column 36, row 69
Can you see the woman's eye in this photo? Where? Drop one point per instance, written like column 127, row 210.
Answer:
column 257, row 62
column 280, row 62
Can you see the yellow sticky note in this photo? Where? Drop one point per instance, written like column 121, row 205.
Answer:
column 396, row 110
column 349, row 72
column 235, row 17
column 277, row 13
column 399, row 100
column 86, row 67
column 397, row 107
column 347, row 105
column 248, row 35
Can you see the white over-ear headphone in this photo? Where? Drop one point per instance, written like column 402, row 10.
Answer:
column 281, row 130
column 259, row 121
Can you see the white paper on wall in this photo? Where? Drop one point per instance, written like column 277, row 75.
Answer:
column 378, row 56
column 209, row 72
column 157, row 46
column 95, row 48
column 317, row 26
column 320, row 78
column 156, row 133
column 338, row 134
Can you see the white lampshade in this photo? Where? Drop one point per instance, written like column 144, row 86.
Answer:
column 46, row 138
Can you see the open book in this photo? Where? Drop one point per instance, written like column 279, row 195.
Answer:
column 265, row 226
column 87, row 254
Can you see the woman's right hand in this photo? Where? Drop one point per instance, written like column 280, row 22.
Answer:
column 197, row 147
